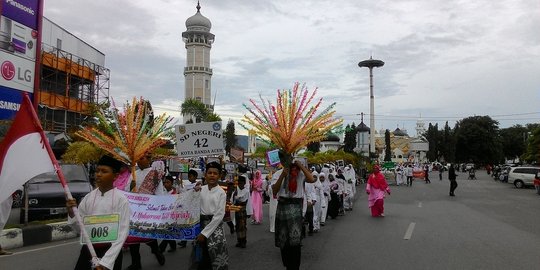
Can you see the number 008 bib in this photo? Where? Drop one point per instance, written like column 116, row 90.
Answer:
column 101, row 228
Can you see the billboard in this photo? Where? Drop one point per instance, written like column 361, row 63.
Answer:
column 22, row 11
column 19, row 45
column 16, row 72
column 10, row 102
column 17, row 38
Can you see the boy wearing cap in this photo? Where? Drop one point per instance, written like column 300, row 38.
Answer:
column 104, row 203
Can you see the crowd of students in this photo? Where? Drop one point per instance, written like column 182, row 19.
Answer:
column 300, row 200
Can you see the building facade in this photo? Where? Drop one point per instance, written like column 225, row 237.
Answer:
column 72, row 77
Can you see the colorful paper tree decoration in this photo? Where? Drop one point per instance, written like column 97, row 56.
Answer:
column 127, row 135
column 293, row 122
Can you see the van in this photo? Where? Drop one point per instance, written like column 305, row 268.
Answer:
column 522, row 176
column 46, row 198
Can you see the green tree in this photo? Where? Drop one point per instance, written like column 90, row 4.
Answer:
column 514, row 141
column 433, row 138
column 230, row 137
column 314, row 147
column 532, row 154
column 349, row 141
column 194, row 108
column 477, row 140
column 388, row 148
column 447, row 145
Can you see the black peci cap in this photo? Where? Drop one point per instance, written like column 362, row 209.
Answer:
column 106, row 160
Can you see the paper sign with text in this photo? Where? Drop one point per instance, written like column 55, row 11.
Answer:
column 174, row 217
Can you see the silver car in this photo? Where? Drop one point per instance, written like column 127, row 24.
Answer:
column 522, row 176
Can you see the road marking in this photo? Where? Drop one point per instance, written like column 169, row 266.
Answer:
column 43, row 248
column 420, row 204
column 409, row 231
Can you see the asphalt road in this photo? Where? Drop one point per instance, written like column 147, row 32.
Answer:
column 488, row 225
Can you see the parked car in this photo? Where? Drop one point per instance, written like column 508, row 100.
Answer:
column 469, row 166
column 522, row 176
column 46, row 197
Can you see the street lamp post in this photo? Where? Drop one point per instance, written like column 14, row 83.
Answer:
column 371, row 63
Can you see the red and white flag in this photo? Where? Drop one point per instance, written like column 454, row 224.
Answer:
column 23, row 153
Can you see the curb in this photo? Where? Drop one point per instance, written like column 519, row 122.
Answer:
column 36, row 234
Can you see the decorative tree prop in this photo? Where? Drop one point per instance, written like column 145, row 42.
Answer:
column 293, row 122
column 127, row 135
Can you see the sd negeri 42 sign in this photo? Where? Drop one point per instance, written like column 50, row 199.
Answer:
column 199, row 139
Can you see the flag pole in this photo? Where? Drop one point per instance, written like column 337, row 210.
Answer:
column 58, row 170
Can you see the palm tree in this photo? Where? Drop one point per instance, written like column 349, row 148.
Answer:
column 194, row 108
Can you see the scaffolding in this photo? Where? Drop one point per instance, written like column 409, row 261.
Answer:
column 70, row 88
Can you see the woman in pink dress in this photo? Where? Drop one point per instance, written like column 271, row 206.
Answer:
column 376, row 188
column 256, row 198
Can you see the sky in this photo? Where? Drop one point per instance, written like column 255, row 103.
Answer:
column 444, row 60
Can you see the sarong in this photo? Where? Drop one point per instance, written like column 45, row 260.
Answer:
column 215, row 251
column 288, row 222
column 241, row 222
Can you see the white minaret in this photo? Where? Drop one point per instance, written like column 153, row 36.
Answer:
column 197, row 72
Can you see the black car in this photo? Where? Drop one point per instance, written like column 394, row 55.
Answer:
column 46, row 198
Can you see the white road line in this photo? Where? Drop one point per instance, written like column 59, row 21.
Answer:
column 409, row 231
column 43, row 248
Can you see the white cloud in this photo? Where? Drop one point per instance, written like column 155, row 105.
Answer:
column 443, row 59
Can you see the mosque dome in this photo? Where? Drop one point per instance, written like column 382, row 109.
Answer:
column 399, row 132
column 198, row 20
column 331, row 137
column 362, row 127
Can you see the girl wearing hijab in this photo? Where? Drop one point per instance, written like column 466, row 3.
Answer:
column 256, row 198
column 333, row 204
column 375, row 188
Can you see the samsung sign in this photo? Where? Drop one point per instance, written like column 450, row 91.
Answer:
column 10, row 102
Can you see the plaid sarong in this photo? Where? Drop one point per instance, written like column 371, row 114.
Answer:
column 240, row 217
column 288, row 222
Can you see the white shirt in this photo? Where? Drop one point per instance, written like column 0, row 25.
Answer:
column 111, row 202
column 187, row 185
column 284, row 189
column 241, row 195
column 213, row 203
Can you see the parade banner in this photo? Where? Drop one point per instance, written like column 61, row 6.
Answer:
column 171, row 217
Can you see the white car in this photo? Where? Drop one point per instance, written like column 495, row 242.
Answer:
column 522, row 176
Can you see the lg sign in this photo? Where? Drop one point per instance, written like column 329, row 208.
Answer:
column 8, row 72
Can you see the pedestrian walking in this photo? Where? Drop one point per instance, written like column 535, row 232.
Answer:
column 211, row 241
column 239, row 199
column 399, row 175
column 272, row 208
column 257, row 198
column 148, row 181
column 409, row 174
column 376, row 189
column 441, row 168
column 426, row 174
column 289, row 190
column 168, row 185
column 104, row 200
column 452, row 177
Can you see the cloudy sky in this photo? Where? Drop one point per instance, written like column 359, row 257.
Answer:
column 444, row 60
